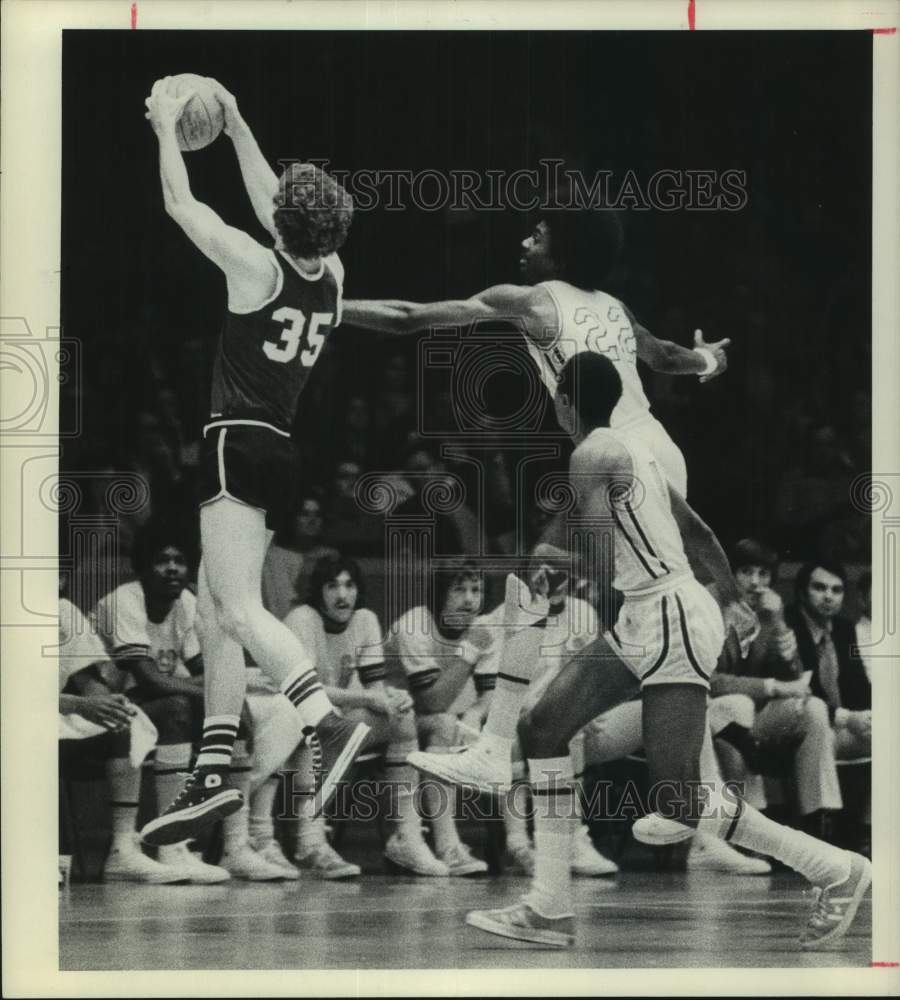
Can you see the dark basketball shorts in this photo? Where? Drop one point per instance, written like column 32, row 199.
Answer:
column 253, row 463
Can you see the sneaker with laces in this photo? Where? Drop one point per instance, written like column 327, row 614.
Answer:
column 521, row 855
column 587, row 861
column 523, row 923
column 836, row 905
column 412, row 854
column 273, row 853
column 130, row 864
column 245, row 863
column 325, row 862
column 658, row 831
column 183, row 859
column 460, row 860
column 335, row 742
column 206, row 797
column 472, row 767
column 710, row 854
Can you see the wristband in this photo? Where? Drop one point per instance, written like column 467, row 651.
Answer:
column 709, row 358
column 770, row 687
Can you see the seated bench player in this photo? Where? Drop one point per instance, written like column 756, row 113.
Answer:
column 449, row 657
column 149, row 628
column 93, row 720
column 345, row 641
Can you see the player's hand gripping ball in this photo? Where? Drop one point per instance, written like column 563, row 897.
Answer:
column 188, row 103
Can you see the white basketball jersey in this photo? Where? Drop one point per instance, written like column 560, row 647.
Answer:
column 593, row 321
column 648, row 545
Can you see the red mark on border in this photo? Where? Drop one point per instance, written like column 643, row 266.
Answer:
column 133, row 16
column 692, row 15
column 884, row 31
column 885, row 965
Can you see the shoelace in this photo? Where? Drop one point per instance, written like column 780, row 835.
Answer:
column 315, row 744
column 185, row 791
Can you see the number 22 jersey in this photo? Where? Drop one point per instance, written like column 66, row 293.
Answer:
column 264, row 357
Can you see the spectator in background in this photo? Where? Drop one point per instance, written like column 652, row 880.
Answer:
column 393, row 409
column 295, row 546
column 814, row 495
column 792, row 729
column 355, row 441
column 344, row 639
column 825, row 643
column 450, row 663
column 149, row 628
column 95, row 721
column 350, row 528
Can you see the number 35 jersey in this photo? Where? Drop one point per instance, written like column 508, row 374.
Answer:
column 265, row 356
column 593, row 321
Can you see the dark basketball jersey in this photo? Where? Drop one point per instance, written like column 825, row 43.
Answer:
column 264, row 357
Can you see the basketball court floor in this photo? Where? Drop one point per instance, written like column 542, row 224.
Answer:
column 639, row 919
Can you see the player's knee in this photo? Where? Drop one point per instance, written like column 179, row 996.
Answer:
column 738, row 708
column 234, row 618
column 815, row 714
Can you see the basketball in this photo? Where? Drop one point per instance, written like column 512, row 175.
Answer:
column 203, row 118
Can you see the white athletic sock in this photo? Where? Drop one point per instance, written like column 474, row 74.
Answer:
column 741, row 824
column 519, row 662
column 172, row 761
column 262, row 801
column 515, row 812
column 440, row 808
column 124, row 783
column 555, row 823
column 304, row 691
column 401, row 780
column 236, row 827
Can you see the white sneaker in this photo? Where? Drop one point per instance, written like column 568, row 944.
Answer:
column 460, row 860
column 587, row 861
column 657, row 831
column 275, row 856
column 522, row 923
column 473, row 767
column 130, row 864
column 324, row 861
column 413, row 855
column 522, row 855
column 182, row 858
column 710, row 854
column 245, row 863
column 836, row 905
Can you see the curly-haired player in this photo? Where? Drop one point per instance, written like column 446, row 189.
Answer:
column 282, row 302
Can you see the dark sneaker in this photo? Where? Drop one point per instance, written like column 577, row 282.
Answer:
column 206, row 797
column 335, row 742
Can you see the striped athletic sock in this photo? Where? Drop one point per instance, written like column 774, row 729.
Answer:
column 555, row 823
column 304, row 691
column 217, row 745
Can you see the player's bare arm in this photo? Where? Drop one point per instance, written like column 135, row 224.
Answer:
column 259, row 178
column 500, row 302
column 247, row 265
column 673, row 359
column 703, row 549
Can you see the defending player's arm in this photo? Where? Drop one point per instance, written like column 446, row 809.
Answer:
column 259, row 178
column 247, row 265
column 705, row 360
column 501, row 302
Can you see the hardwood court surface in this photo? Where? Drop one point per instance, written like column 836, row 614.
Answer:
column 636, row 920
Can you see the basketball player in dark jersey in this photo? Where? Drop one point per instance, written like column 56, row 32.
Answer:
column 283, row 300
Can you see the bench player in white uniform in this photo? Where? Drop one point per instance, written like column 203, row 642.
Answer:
column 561, row 313
column 670, row 632
column 283, row 299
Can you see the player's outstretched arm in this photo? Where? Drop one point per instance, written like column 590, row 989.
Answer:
column 260, row 179
column 705, row 360
column 247, row 265
column 395, row 316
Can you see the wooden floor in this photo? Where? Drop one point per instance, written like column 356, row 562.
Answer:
column 637, row 920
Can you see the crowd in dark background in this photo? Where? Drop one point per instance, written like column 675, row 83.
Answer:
column 772, row 447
